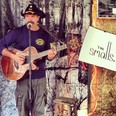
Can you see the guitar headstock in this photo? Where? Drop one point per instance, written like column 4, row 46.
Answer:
column 58, row 47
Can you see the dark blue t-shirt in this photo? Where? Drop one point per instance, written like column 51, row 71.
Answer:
column 19, row 38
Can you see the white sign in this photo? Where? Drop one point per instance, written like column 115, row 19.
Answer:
column 99, row 48
column 114, row 10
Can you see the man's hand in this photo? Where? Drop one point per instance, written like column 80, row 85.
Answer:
column 19, row 58
column 51, row 54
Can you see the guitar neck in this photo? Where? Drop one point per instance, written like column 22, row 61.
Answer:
column 45, row 53
column 39, row 55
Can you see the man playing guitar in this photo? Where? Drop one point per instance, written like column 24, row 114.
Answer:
column 40, row 41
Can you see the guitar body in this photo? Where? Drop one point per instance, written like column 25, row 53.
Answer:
column 14, row 71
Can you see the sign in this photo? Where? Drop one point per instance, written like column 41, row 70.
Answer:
column 99, row 48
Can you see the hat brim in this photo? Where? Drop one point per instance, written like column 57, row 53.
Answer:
column 39, row 13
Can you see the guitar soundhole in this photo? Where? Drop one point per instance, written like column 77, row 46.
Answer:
column 16, row 65
column 26, row 60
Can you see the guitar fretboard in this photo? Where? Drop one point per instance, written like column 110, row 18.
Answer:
column 45, row 53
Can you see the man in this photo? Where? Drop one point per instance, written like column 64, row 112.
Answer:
column 40, row 40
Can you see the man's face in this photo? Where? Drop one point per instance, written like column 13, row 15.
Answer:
column 32, row 18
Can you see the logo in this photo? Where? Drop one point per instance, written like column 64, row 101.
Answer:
column 39, row 41
column 104, row 53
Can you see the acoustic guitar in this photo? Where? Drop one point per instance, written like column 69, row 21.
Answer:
column 14, row 71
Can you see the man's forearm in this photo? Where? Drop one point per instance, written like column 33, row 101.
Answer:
column 8, row 53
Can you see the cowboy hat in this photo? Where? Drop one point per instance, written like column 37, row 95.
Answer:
column 33, row 9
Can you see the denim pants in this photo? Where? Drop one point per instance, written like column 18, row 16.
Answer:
column 38, row 97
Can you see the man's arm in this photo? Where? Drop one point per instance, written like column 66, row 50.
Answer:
column 16, row 57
